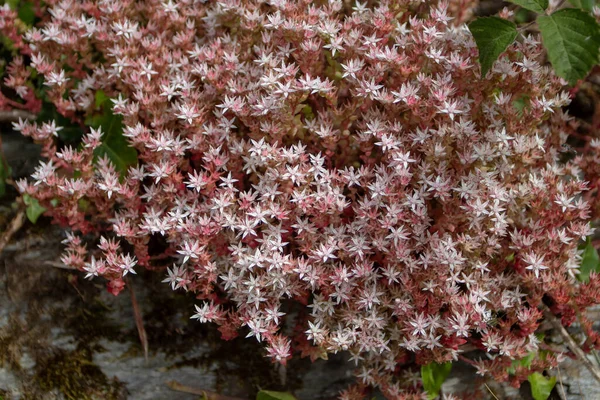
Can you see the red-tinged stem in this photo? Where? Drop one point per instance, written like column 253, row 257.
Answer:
column 139, row 321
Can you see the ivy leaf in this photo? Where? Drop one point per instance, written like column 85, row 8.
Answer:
column 433, row 376
column 114, row 144
column 586, row 5
column 538, row 6
column 492, row 35
column 270, row 395
column 590, row 262
column 541, row 386
column 572, row 39
column 34, row 209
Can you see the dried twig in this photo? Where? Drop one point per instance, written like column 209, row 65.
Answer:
column 178, row 387
column 14, row 115
column 59, row 265
column 490, row 390
column 13, row 227
column 573, row 346
column 139, row 322
column 561, row 392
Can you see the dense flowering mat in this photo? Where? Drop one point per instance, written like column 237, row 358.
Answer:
column 324, row 177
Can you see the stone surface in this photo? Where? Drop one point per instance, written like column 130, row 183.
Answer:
column 70, row 313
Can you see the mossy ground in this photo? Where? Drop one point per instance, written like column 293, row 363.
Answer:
column 52, row 305
column 43, row 301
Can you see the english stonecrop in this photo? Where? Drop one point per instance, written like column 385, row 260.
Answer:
column 352, row 164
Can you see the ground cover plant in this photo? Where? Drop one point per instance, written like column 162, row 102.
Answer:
column 324, row 176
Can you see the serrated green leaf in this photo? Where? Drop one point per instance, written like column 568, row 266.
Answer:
column 492, row 35
column 433, row 376
column 538, row 6
column 270, row 395
column 586, row 5
column 114, row 144
column 541, row 386
column 34, row 209
column 572, row 39
column 590, row 262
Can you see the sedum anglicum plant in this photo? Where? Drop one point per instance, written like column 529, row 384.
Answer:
column 324, row 177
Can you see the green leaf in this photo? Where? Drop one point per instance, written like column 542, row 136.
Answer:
column 541, row 386
column 114, row 144
column 34, row 209
column 520, row 104
column 522, row 16
column 13, row 4
column 270, row 395
column 523, row 362
column 24, row 10
column 26, row 13
column 70, row 133
column 590, row 262
column 100, row 98
column 586, row 5
column 538, row 6
column 433, row 376
column 492, row 35
column 572, row 39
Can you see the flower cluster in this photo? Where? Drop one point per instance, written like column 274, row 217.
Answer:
column 341, row 169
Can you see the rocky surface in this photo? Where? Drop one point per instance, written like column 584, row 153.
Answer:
column 65, row 337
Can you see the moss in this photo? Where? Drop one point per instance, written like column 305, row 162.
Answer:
column 46, row 299
column 11, row 343
column 70, row 372
column 75, row 375
column 88, row 320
